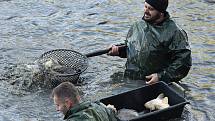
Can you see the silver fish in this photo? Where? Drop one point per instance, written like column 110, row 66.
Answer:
column 127, row 114
column 54, row 67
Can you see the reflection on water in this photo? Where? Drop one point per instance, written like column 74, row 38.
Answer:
column 30, row 28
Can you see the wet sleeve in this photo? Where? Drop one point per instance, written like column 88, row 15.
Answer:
column 123, row 46
column 181, row 61
column 122, row 51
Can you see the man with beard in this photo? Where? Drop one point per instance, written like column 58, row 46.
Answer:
column 155, row 47
column 67, row 100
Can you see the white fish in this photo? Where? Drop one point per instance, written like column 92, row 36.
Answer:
column 111, row 107
column 160, row 102
column 52, row 64
column 49, row 63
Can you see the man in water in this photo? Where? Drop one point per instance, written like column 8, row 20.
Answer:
column 155, row 47
column 67, row 101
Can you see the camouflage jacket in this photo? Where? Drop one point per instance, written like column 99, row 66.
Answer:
column 90, row 111
column 162, row 49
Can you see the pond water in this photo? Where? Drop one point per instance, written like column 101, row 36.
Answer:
column 32, row 27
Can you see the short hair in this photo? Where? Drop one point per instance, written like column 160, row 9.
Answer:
column 66, row 90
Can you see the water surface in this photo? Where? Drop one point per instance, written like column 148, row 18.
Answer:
column 30, row 28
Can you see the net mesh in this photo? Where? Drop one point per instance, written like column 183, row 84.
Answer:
column 72, row 64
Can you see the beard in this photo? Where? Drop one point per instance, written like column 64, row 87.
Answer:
column 151, row 18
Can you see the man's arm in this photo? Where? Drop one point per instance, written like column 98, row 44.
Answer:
column 181, row 58
column 118, row 50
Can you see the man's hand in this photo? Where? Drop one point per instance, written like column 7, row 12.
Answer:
column 112, row 107
column 153, row 78
column 114, row 51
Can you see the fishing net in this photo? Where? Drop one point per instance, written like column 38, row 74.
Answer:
column 62, row 65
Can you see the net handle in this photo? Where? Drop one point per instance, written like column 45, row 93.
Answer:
column 98, row 52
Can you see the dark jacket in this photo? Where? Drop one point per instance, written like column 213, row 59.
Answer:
column 90, row 111
column 162, row 49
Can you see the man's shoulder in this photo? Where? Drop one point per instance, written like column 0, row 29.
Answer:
column 140, row 22
column 94, row 111
column 81, row 116
column 176, row 27
column 170, row 23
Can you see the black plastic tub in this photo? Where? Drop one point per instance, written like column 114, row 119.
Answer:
column 135, row 99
